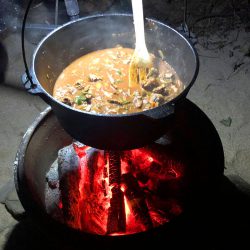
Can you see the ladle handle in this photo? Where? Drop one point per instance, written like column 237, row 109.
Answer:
column 138, row 23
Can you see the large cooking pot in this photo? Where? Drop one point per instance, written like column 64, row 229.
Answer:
column 74, row 39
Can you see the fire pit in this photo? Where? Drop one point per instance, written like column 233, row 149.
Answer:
column 108, row 195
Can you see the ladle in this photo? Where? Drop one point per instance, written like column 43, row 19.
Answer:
column 141, row 60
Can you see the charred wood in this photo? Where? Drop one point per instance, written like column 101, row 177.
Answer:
column 114, row 160
column 92, row 165
column 69, row 178
column 116, row 213
column 136, row 200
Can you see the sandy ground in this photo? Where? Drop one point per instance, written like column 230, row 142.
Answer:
column 222, row 90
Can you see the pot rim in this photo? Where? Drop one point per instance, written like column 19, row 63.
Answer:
column 148, row 112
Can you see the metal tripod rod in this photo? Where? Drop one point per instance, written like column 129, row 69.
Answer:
column 72, row 8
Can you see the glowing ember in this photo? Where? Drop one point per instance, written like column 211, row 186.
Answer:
column 122, row 192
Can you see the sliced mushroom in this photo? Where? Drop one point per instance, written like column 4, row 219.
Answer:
column 138, row 101
column 94, row 78
column 111, row 79
column 88, row 98
column 162, row 89
column 153, row 72
column 115, row 102
column 67, row 101
column 150, row 83
column 168, row 75
column 79, row 85
column 156, row 98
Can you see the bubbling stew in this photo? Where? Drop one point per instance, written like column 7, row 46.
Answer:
column 98, row 82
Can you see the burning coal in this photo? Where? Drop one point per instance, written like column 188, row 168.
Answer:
column 114, row 193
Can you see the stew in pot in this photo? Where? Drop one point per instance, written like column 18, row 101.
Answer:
column 98, row 83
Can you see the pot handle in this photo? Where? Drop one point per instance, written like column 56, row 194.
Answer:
column 27, row 81
column 30, row 86
column 184, row 29
column 161, row 111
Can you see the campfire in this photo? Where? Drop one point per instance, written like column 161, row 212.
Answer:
column 115, row 192
column 75, row 190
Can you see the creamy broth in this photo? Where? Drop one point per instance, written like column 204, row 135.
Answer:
column 98, row 83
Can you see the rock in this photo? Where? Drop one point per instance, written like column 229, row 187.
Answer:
column 6, row 189
column 226, row 122
column 6, row 220
column 14, row 206
column 4, row 235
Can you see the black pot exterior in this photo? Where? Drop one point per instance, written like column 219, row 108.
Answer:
column 114, row 132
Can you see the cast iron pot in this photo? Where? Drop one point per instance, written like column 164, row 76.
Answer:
column 76, row 38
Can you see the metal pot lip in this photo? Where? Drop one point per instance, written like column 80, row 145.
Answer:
column 142, row 113
column 18, row 166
